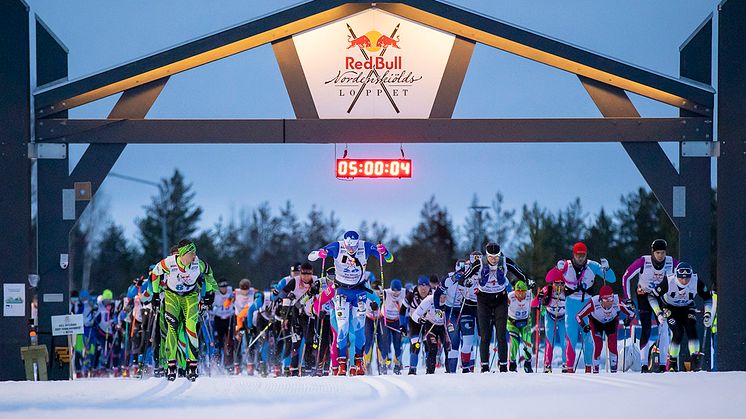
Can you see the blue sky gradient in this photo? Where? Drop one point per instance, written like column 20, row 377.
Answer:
column 226, row 178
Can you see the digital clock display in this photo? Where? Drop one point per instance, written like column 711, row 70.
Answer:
column 374, row 168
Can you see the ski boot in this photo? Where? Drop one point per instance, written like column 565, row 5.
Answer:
column 644, row 369
column 138, row 370
column 503, row 367
column 527, row 366
column 342, row 366
column 547, row 368
column 588, row 369
column 286, row 372
column 565, row 369
column 383, row 370
column 191, row 371
column 158, row 372
column 673, row 365
column 513, row 367
column 485, row 367
column 412, row 370
column 654, row 359
column 250, row 369
column 397, row 369
column 595, row 369
column 695, row 361
column 171, row 372
column 359, row 365
column 181, row 372
column 276, row 371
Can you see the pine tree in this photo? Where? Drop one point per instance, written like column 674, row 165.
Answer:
column 175, row 204
column 503, row 223
column 476, row 227
column 113, row 266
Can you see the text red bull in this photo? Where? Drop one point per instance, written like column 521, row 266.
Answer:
column 373, row 63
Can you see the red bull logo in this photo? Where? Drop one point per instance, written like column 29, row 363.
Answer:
column 385, row 42
column 361, row 41
column 377, row 63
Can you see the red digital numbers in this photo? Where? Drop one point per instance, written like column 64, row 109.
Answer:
column 374, row 168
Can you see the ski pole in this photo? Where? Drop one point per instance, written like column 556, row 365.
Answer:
column 538, row 325
column 316, row 333
column 582, row 344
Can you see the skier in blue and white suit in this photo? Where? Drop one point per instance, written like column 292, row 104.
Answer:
column 350, row 301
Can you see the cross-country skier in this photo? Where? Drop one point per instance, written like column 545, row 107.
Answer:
column 602, row 311
column 673, row 302
column 224, row 321
column 579, row 274
column 432, row 329
column 651, row 271
column 374, row 329
column 392, row 334
column 552, row 298
column 299, row 292
column 350, row 261
column 182, row 276
column 519, row 325
column 460, row 308
column 412, row 300
column 492, row 302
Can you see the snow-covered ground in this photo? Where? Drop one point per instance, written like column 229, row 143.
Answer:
column 460, row 396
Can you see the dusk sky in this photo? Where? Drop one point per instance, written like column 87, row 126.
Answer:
column 226, row 178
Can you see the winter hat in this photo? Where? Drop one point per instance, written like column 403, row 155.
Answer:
column 423, row 280
column 605, row 291
column 579, row 247
column 395, row 285
column 658, row 244
column 554, row 275
column 521, row 286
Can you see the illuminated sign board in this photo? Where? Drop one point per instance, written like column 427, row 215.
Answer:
column 373, row 64
column 374, row 168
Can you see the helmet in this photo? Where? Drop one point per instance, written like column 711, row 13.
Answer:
column 107, row 295
column 423, row 280
column 395, row 285
column 579, row 247
column 684, row 270
column 605, row 292
column 84, row 294
column 658, row 244
column 521, row 286
column 295, row 267
column 351, row 240
column 492, row 249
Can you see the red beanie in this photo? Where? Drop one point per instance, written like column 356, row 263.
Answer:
column 579, row 247
column 605, row 291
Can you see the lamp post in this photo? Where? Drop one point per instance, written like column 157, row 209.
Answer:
column 164, row 194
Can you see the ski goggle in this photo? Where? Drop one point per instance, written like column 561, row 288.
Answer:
column 607, row 299
column 684, row 272
column 189, row 248
column 351, row 244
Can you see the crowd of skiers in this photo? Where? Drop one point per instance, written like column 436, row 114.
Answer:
column 339, row 318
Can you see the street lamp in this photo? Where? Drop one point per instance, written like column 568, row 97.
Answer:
column 164, row 194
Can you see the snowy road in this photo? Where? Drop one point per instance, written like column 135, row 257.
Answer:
column 682, row 395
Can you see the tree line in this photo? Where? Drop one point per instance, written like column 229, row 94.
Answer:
column 261, row 243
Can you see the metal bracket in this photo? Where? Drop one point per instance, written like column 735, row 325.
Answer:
column 700, row 149
column 47, row 151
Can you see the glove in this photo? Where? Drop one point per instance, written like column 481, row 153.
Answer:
column 156, row 299
column 626, row 321
column 531, row 283
column 630, row 304
column 458, row 276
column 540, row 294
column 323, row 253
column 381, row 249
column 373, row 305
column 585, row 326
column 604, row 264
column 422, row 320
column 707, row 319
column 561, row 264
column 468, row 283
column 291, row 296
column 315, row 288
column 403, row 330
column 275, row 292
column 209, row 298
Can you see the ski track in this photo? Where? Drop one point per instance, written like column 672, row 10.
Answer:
column 460, row 396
